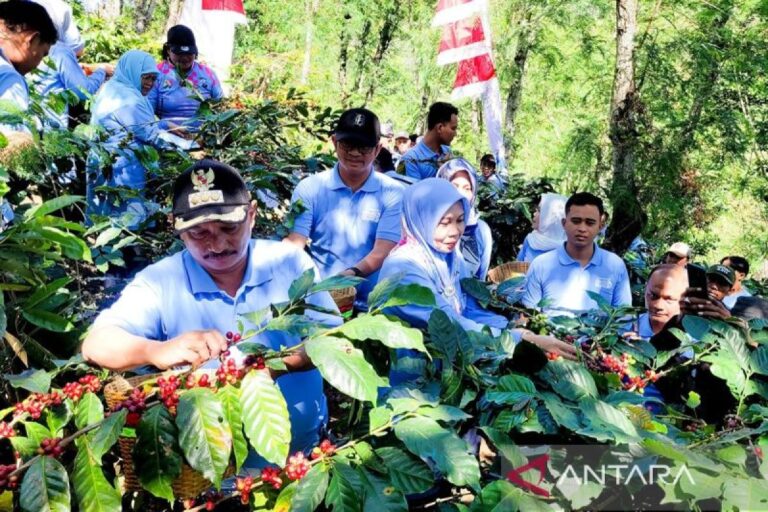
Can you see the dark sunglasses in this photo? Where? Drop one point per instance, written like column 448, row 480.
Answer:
column 348, row 147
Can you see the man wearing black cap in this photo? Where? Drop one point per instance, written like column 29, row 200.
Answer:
column 352, row 214
column 176, row 311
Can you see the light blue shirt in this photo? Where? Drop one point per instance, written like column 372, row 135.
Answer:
column 472, row 317
column 421, row 162
column 343, row 225
column 176, row 295
column 563, row 283
column 13, row 88
column 478, row 264
column 65, row 75
column 730, row 300
column 528, row 253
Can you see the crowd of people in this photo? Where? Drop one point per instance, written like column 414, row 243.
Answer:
column 393, row 206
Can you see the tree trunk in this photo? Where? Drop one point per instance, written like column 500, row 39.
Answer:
column 174, row 12
column 514, row 95
column 344, row 60
column 628, row 217
column 386, row 34
column 144, row 11
column 312, row 7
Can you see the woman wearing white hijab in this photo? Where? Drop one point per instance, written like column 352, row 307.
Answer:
column 477, row 241
column 548, row 233
column 433, row 218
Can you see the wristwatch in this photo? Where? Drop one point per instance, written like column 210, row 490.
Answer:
column 357, row 271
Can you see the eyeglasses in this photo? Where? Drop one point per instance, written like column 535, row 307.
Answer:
column 348, row 147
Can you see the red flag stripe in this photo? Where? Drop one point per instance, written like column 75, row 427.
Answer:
column 476, row 69
column 224, row 5
column 462, row 33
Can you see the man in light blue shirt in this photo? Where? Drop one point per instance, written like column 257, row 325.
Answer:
column 740, row 268
column 562, row 277
column 352, row 213
column 176, row 311
column 425, row 158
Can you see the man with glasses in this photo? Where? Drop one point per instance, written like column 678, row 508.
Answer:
column 351, row 216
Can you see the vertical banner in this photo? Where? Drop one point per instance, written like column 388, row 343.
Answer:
column 214, row 23
column 466, row 40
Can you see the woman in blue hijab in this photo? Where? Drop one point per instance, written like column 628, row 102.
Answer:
column 66, row 73
column 433, row 216
column 477, row 241
column 121, row 109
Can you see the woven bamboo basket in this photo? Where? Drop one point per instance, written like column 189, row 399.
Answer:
column 507, row 271
column 344, row 298
column 189, row 484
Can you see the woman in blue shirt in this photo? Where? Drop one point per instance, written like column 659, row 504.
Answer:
column 122, row 110
column 26, row 35
column 477, row 241
column 66, row 73
column 183, row 82
column 433, row 218
column 548, row 233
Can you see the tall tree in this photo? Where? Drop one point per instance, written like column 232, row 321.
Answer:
column 627, row 221
column 311, row 9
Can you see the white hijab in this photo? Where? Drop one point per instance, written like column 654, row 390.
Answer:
column 550, row 233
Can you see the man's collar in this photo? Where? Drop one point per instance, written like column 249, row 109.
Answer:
column 372, row 184
column 200, row 281
column 566, row 259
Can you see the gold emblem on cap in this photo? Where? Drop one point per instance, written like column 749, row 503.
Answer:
column 202, row 182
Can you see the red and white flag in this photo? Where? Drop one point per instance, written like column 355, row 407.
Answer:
column 466, row 40
column 449, row 11
column 461, row 40
column 214, row 22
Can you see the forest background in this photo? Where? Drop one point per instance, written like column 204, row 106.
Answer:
column 686, row 137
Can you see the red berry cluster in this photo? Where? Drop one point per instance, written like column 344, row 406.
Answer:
column 168, row 392
column 323, row 449
column 244, row 485
column 6, row 480
column 73, row 391
column 6, row 430
column 90, row 382
column 232, row 338
column 51, row 446
column 271, row 476
column 297, row 467
column 195, row 381
column 228, row 372
column 210, row 501
column 35, row 404
column 552, row 356
column 135, row 404
column 619, row 366
column 255, row 362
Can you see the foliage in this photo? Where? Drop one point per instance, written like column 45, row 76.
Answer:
column 487, row 392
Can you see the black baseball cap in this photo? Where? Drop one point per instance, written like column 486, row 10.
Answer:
column 725, row 273
column 181, row 40
column 359, row 126
column 209, row 191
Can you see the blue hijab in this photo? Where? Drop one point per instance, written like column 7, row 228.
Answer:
column 125, row 88
column 447, row 171
column 424, row 204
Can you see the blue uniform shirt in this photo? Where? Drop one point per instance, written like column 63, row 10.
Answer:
column 421, row 162
column 479, row 263
column 179, row 100
column 344, row 225
column 13, row 88
column 176, row 295
column 65, row 75
column 560, row 280
column 528, row 253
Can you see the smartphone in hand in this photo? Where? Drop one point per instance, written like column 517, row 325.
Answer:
column 697, row 279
